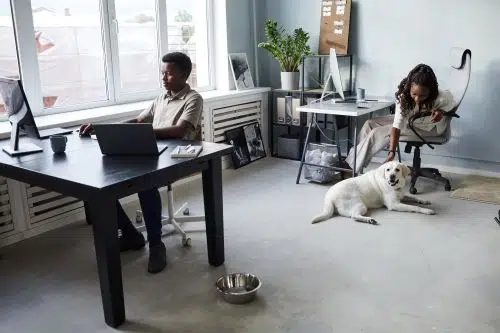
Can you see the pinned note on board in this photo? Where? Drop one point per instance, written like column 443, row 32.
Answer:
column 334, row 30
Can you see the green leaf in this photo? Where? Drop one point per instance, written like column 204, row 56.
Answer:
column 287, row 49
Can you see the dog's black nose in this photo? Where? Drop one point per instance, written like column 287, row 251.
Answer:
column 392, row 178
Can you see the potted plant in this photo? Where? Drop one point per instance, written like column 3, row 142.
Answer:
column 288, row 50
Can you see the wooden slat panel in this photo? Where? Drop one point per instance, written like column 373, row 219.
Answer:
column 42, row 197
column 5, row 208
column 221, row 113
column 218, row 111
column 58, row 211
column 235, row 124
column 5, row 219
column 55, row 218
column 6, row 228
column 52, row 204
column 33, row 190
column 4, row 198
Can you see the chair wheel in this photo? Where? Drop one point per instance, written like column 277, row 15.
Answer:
column 186, row 211
column 447, row 187
column 413, row 190
column 186, row 242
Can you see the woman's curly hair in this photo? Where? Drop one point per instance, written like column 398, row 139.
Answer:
column 422, row 75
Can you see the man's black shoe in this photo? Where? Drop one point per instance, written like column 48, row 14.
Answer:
column 157, row 258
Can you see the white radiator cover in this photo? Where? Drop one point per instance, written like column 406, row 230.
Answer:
column 6, row 220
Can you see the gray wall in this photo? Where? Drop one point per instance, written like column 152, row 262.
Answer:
column 389, row 39
column 240, row 37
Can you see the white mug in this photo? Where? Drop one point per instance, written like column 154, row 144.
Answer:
column 360, row 94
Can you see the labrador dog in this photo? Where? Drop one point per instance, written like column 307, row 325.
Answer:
column 377, row 188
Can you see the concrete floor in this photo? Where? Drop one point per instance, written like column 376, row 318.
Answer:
column 412, row 273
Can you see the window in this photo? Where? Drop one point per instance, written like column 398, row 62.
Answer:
column 136, row 28
column 68, row 45
column 188, row 33
column 82, row 54
column 8, row 55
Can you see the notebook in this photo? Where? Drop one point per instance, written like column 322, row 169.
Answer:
column 186, row 151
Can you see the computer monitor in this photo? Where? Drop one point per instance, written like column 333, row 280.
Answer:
column 20, row 117
column 334, row 75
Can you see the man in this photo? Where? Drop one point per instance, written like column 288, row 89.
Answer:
column 176, row 113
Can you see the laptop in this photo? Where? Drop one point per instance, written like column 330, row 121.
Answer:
column 127, row 139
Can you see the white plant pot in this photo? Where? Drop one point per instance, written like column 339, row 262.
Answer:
column 290, row 80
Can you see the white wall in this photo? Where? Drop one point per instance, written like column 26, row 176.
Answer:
column 388, row 38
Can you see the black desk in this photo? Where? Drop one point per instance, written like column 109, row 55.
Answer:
column 84, row 173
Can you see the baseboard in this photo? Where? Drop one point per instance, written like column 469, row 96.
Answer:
column 448, row 169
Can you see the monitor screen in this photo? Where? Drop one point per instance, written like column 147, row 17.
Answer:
column 16, row 106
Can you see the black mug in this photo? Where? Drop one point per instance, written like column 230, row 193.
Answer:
column 58, row 143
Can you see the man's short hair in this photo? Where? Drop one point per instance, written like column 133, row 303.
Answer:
column 180, row 59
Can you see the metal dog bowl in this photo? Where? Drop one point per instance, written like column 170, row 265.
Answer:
column 238, row 288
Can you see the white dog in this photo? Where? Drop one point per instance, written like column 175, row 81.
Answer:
column 380, row 187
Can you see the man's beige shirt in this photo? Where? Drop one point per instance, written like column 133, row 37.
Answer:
column 168, row 109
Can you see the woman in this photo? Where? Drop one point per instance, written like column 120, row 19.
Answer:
column 417, row 92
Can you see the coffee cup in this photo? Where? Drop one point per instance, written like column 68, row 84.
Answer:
column 58, row 143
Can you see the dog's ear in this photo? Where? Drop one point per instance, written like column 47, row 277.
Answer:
column 406, row 170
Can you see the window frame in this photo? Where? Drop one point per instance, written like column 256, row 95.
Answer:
column 29, row 70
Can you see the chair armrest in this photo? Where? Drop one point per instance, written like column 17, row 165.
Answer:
column 412, row 119
column 412, row 127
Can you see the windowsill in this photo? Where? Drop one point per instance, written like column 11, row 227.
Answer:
column 115, row 112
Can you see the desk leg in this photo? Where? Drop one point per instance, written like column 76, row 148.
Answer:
column 102, row 211
column 214, row 221
column 87, row 213
column 355, row 143
column 313, row 120
column 349, row 134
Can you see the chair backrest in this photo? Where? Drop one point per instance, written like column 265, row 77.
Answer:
column 460, row 61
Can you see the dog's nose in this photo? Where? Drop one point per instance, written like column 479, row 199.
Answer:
column 392, row 178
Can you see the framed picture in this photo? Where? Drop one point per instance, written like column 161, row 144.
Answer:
column 247, row 143
column 240, row 155
column 255, row 145
column 241, row 71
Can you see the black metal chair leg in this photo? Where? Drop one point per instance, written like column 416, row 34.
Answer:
column 415, row 170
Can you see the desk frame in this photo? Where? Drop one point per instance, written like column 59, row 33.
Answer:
column 352, row 129
column 100, row 208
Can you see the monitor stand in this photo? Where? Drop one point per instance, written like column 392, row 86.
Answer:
column 15, row 148
column 22, row 149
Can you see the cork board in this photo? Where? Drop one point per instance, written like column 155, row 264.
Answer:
column 334, row 30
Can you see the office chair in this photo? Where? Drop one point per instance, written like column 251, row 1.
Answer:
column 461, row 68
column 174, row 217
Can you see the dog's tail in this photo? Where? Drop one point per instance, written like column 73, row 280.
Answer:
column 328, row 211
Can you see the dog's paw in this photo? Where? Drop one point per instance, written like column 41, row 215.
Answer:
column 425, row 202
column 373, row 221
column 428, row 212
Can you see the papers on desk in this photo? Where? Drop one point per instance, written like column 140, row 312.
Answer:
column 186, row 151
